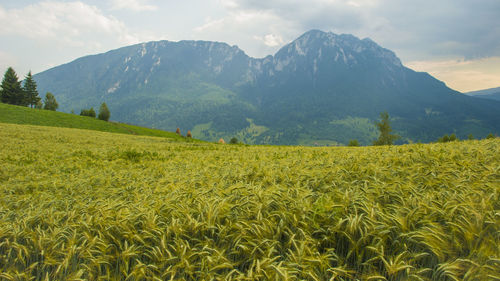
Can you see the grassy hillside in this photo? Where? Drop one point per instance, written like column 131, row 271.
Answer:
column 82, row 205
column 24, row 115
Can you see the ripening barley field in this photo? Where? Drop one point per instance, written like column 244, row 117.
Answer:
column 87, row 205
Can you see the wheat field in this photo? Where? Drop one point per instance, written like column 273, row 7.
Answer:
column 87, row 205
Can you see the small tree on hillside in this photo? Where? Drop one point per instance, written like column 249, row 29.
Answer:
column 30, row 91
column 92, row 112
column 234, row 140
column 104, row 112
column 189, row 135
column 50, row 102
column 178, row 131
column 384, row 126
column 11, row 91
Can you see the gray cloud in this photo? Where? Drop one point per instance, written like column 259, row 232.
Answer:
column 415, row 29
column 37, row 34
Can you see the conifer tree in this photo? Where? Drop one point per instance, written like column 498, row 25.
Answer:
column 11, row 91
column 30, row 91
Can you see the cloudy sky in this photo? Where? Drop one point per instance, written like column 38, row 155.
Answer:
column 457, row 41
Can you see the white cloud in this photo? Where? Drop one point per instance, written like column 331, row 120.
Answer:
column 6, row 59
column 48, row 33
column 262, row 27
column 134, row 5
column 416, row 30
column 271, row 40
column 72, row 23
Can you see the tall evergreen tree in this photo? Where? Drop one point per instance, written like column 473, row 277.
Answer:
column 384, row 126
column 104, row 112
column 30, row 91
column 11, row 91
column 50, row 102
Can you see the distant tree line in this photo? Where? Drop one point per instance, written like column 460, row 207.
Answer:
column 104, row 112
column 386, row 138
column 12, row 92
column 453, row 137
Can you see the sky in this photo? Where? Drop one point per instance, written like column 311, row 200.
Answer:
column 457, row 41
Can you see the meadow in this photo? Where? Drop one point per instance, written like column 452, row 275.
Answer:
column 89, row 205
column 14, row 114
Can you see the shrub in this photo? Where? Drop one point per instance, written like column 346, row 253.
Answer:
column 88, row 112
column 353, row 143
column 233, row 141
column 189, row 134
column 447, row 138
column 444, row 138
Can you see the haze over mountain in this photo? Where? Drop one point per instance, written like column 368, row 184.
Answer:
column 321, row 88
column 493, row 94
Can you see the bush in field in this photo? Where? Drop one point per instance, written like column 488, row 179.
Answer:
column 189, row 135
column 353, row 143
column 447, row 138
column 88, row 112
column 233, row 140
column 444, row 138
column 453, row 137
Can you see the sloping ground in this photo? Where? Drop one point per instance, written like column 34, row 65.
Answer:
column 79, row 204
column 24, row 115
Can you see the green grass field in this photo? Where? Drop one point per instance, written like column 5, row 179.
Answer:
column 24, row 115
column 88, row 205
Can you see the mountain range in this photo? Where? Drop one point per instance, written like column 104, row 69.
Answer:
column 493, row 94
column 321, row 88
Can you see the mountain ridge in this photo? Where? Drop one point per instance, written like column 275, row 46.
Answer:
column 491, row 94
column 320, row 88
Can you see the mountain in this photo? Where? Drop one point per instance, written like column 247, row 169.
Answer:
column 322, row 88
column 493, row 94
